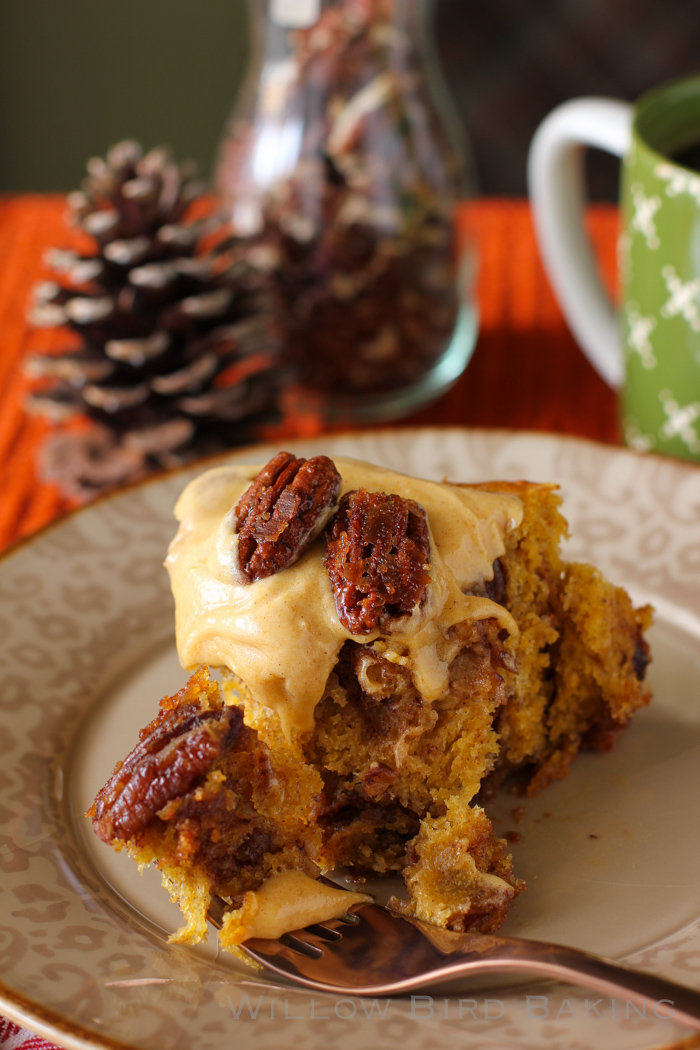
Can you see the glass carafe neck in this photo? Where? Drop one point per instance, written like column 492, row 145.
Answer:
column 280, row 26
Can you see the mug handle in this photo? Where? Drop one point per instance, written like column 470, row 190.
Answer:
column 556, row 187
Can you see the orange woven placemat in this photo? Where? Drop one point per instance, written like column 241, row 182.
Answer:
column 526, row 371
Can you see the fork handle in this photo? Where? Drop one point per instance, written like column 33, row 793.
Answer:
column 666, row 998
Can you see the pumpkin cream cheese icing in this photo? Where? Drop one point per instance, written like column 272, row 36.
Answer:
column 281, row 635
column 287, row 901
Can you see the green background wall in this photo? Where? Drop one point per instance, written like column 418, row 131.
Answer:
column 77, row 75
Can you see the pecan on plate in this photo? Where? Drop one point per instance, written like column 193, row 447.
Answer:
column 176, row 751
column 282, row 513
column 377, row 558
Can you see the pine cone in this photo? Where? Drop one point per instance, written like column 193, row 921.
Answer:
column 174, row 352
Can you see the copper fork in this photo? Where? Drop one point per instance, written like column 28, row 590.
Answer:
column 371, row 951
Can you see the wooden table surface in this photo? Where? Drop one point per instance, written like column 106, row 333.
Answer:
column 527, row 372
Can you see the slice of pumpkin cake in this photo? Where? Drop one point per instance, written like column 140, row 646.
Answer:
column 390, row 648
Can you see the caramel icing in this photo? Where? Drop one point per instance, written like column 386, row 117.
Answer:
column 281, row 635
column 284, row 902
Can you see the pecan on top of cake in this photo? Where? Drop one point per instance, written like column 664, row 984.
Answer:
column 282, row 513
column 378, row 560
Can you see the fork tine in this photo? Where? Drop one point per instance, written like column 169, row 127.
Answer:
column 326, row 933
column 216, row 911
column 318, row 936
column 300, row 944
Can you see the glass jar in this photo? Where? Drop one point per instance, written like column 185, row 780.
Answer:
column 341, row 182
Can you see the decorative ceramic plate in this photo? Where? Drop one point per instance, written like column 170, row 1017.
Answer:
column 611, row 854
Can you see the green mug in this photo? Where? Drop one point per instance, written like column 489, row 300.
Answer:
column 650, row 346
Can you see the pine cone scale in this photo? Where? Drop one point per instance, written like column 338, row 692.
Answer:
column 164, row 310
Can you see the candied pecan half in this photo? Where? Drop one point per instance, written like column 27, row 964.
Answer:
column 377, row 558
column 283, row 512
column 176, row 750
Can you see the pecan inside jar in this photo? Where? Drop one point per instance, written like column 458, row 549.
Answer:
column 282, row 513
column 377, row 558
